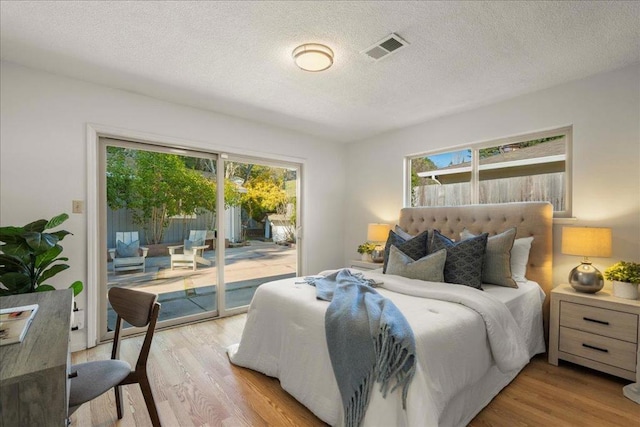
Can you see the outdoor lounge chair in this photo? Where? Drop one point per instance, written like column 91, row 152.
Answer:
column 128, row 254
column 192, row 251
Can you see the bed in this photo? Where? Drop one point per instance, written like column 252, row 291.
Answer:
column 461, row 360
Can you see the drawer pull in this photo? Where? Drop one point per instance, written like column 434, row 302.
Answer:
column 604, row 350
column 602, row 322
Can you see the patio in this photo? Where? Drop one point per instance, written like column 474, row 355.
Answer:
column 185, row 292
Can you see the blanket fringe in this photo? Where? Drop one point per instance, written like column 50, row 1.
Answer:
column 394, row 361
column 378, row 346
column 358, row 403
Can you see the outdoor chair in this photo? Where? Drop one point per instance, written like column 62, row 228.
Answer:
column 91, row 379
column 128, row 254
column 192, row 251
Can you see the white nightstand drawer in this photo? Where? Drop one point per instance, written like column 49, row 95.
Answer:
column 610, row 351
column 609, row 323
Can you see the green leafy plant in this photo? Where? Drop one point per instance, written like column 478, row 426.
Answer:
column 29, row 257
column 157, row 187
column 624, row 272
column 366, row 248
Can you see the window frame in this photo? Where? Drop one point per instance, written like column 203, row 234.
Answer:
column 475, row 148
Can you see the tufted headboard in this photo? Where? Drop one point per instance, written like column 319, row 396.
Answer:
column 530, row 218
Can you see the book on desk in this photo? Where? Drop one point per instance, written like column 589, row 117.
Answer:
column 15, row 322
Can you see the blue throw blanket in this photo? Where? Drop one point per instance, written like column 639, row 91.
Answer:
column 369, row 341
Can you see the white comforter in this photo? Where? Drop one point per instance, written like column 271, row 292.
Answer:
column 456, row 344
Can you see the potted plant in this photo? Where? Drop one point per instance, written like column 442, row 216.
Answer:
column 365, row 250
column 625, row 277
column 29, row 257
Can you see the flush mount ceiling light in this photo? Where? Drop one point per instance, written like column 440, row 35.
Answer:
column 313, row 57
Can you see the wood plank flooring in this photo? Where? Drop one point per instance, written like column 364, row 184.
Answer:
column 195, row 385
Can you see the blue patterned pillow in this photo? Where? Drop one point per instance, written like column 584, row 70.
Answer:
column 415, row 248
column 127, row 250
column 464, row 259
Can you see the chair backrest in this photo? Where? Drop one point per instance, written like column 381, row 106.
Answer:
column 126, row 236
column 139, row 309
column 195, row 235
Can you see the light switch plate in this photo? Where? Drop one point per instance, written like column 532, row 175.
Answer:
column 77, row 206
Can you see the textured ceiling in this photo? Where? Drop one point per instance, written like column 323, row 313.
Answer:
column 235, row 57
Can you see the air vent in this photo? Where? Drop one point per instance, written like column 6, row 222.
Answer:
column 385, row 47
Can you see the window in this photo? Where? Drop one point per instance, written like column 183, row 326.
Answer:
column 533, row 167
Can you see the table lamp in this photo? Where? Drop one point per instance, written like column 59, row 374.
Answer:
column 378, row 233
column 586, row 242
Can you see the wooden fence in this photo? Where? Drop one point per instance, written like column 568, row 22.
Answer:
column 178, row 230
column 548, row 187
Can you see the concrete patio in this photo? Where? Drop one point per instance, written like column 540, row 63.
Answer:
column 184, row 292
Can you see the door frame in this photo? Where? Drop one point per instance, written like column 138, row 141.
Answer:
column 97, row 270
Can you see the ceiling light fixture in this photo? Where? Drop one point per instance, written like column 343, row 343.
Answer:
column 313, row 57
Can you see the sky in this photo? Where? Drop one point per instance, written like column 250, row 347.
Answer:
column 444, row 159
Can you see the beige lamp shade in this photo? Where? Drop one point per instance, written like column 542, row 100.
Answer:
column 378, row 232
column 586, row 241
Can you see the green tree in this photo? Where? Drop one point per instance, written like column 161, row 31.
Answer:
column 158, row 186
column 268, row 190
column 119, row 177
column 421, row 164
column 263, row 196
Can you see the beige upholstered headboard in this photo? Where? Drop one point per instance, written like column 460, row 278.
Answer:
column 530, row 218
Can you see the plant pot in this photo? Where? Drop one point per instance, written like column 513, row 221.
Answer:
column 365, row 257
column 625, row 290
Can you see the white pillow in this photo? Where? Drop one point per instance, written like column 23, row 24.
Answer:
column 520, row 258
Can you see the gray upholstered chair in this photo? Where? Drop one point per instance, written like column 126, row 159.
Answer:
column 91, row 379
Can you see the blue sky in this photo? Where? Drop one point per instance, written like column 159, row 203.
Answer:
column 444, row 159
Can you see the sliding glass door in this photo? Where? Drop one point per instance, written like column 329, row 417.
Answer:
column 261, row 237
column 159, row 216
column 166, row 225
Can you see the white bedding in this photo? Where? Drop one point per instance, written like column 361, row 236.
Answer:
column 284, row 337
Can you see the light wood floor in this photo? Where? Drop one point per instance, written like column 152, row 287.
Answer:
column 195, row 385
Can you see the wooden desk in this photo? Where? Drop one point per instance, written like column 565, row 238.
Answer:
column 33, row 374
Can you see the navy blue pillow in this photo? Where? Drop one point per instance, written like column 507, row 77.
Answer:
column 415, row 248
column 464, row 259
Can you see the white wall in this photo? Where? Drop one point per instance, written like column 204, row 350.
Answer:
column 43, row 152
column 605, row 113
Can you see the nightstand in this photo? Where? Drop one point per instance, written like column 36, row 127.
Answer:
column 364, row 265
column 598, row 330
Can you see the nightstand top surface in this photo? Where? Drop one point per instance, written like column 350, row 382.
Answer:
column 605, row 295
column 357, row 261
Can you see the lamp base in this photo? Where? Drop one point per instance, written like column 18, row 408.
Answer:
column 586, row 278
column 632, row 391
column 378, row 254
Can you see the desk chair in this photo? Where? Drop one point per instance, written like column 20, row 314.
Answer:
column 91, row 379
